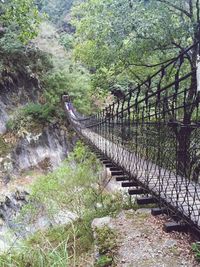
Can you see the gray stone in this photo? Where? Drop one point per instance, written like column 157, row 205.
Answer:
column 101, row 222
column 169, row 243
column 3, row 118
column 143, row 211
column 43, row 150
column 64, row 217
column 42, row 223
column 99, row 205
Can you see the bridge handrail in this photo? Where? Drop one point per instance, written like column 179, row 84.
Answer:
column 153, row 134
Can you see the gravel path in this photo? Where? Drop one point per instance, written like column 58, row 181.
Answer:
column 142, row 242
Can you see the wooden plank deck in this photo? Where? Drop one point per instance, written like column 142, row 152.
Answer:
column 182, row 194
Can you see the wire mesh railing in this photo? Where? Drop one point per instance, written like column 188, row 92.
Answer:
column 153, row 133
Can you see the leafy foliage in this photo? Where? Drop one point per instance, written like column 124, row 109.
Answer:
column 21, row 16
column 55, row 9
column 70, row 78
column 125, row 40
column 196, row 250
column 39, row 112
column 31, row 115
column 76, row 186
column 67, row 41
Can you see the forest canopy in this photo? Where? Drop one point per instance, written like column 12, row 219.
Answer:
column 19, row 20
column 125, row 40
column 55, row 9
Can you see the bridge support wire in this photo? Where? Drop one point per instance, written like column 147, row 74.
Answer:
column 153, row 134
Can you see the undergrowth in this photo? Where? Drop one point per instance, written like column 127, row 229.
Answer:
column 196, row 250
column 107, row 245
column 76, row 186
column 30, row 116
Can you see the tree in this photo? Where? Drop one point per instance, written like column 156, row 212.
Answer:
column 132, row 39
column 55, row 9
column 125, row 37
column 20, row 17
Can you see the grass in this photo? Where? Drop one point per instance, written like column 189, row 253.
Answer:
column 76, row 185
column 47, row 256
column 107, row 244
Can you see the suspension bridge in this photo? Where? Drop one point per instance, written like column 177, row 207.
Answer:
column 149, row 138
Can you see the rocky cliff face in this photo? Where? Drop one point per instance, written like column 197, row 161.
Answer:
column 44, row 149
column 3, row 118
column 16, row 93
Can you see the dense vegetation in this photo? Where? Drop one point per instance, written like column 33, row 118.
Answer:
column 19, row 20
column 125, row 41
column 99, row 45
column 76, row 185
column 56, row 10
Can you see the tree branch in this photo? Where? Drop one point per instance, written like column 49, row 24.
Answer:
column 176, row 7
column 198, row 11
column 150, row 66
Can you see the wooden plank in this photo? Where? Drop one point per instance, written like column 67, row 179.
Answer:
column 175, row 226
column 158, row 211
column 146, row 200
column 122, row 178
column 129, row 184
column 148, row 173
column 109, row 165
column 113, row 169
column 117, row 173
column 137, row 191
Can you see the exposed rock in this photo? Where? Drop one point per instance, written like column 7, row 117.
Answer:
column 6, row 179
column 19, row 229
column 64, row 217
column 110, row 183
column 11, row 205
column 29, row 149
column 143, row 211
column 101, row 222
column 98, row 205
column 42, row 223
column 7, row 238
column 170, row 243
column 21, row 196
column 36, row 150
column 3, row 118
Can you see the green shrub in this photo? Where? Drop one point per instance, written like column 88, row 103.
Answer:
column 106, row 243
column 106, row 240
column 66, row 40
column 73, row 80
column 196, row 250
column 76, row 186
column 39, row 112
column 104, row 261
column 31, row 116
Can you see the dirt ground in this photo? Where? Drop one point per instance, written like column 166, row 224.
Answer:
column 142, row 242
